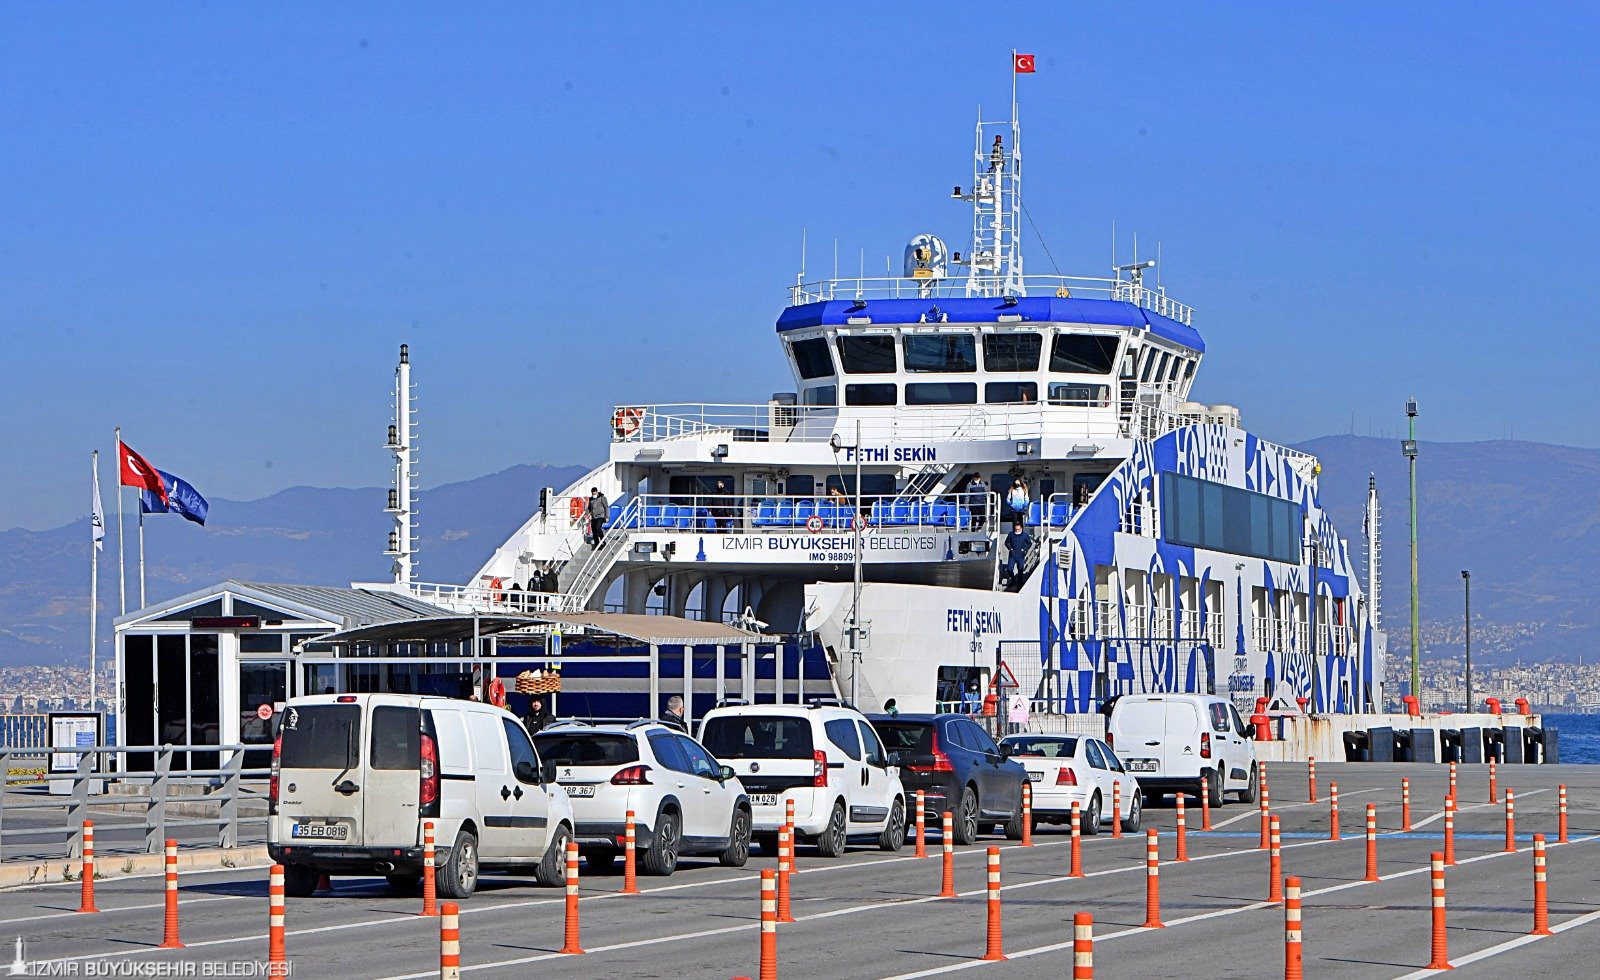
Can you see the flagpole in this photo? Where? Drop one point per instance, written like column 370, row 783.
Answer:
column 122, row 565
column 141, row 553
column 94, row 586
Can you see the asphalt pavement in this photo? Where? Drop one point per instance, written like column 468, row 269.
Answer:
column 872, row 914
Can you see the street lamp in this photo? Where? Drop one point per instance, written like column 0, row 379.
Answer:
column 1409, row 448
column 855, row 600
column 1466, row 582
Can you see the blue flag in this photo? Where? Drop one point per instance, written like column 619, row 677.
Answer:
column 182, row 499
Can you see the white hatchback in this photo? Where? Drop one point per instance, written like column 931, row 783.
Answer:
column 1068, row 769
column 684, row 801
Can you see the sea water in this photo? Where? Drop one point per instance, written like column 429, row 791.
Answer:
column 1580, row 736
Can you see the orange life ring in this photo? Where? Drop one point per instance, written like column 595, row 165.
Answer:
column 576, row 506
column 497, row 692
column 991, row 704
column 625, row 421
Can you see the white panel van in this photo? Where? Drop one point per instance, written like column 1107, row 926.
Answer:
column 1170, row 741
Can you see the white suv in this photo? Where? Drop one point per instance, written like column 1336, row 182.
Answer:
column 683, row 800
column 825, row 757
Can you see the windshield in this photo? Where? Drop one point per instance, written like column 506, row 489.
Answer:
column 1053, row 748
column 587, row 750
column 321, row 736
column 901, row 736
column 757, row 737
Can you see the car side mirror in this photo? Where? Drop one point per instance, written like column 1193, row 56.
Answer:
column 547, row 772
column 1005, row 751
column 525, row 772
column 892, row 759
column 725, row 773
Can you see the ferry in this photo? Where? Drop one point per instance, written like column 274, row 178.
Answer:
column 982, row 481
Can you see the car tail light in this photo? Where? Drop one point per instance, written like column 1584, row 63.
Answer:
column 428, row 770
column 819, row 770
column 941, row 762
column 632, row 776
column 1066, row 777
column 1111, row 740
column 1205, row 745
column 272, row 783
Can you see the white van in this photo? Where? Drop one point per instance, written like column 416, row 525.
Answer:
column 1169, row 741
column 354, row 777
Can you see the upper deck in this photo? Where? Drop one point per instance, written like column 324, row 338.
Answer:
column 1038, row 293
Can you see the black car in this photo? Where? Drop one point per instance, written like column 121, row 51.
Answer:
column 959, row 768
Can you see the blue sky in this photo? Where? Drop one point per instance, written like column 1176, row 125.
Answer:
column 217, row 224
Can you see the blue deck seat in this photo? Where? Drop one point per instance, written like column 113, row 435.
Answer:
column 785, row 516
column 703, row 521
column 1060, row 513
column 1035, row 514
column 944, row 514
column 766, row 513
column 803, row 511
column 963, row 517
column 879, row 514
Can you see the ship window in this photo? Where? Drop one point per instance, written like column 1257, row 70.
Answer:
column 800, row 485
column 1063, row 393
column 1010, row 392
column 1083, row 353
column 1011, row 351
column 1177, row 366
column 1149, row 363
column 942, row 393
column 811, row 358
column 1202, row 514
column 822, row 395
column 869, row 394
column 872, row 484
column 872, row 354
column 941, row 353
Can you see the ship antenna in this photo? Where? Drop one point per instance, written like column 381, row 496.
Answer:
column 402, row 442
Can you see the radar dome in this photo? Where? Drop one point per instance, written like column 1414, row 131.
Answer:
column 926, row 258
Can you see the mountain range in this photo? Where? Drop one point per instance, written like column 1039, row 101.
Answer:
column 1522, row 516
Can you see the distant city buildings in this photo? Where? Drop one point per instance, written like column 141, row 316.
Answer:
column 1549, row 686
column 35, row 689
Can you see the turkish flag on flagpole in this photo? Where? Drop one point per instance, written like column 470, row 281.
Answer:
column 1023, row 64
column 136, row 471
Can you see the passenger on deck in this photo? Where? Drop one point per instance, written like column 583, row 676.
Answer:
column 599, row 511
column 1017, row 501
column 725, row 509
column 1018, row 543
column 978, row 499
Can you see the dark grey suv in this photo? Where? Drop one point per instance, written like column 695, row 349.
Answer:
column 959, row 768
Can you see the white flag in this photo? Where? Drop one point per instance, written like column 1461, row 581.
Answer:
column 97, row 521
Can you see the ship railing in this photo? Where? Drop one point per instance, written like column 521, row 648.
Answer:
column 1155, row 300
column 700, row 513
column 505, row 598
column 1093, row 411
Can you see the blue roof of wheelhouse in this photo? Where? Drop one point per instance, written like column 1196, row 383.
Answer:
column 985, row 309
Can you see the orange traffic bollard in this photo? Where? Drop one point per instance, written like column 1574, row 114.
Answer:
column 1205, row 802
column 1372, row 842
column 788, row 810
column 922, row 825
column 1441, row 942
column 277, row 955
column 1511, row 821
column 1541, row 903
column 630, row 856
column 785, row 857
column 1266, row 806
column 1116, row 808
column 1275, row 864
column 1152, row 880
column 1292, row 968
column 1183, row 833
column 1333, row 811
column 1449, row 830
column 1452, row 791
column 1311, row 779
column 450, row 941
column 86, row 870
column 1027, row 814
column 1492, row 795
column 1405, row 804
column 169, row 938
column 1077, row 842
column 1561, row 814
column 995, row 949
column 572, row 946
column 1082, row 946
column 947, row 887
column 769, row 925
column 430, row 885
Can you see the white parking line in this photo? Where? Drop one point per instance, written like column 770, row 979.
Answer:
column 1256, row 811
column 1508, row 945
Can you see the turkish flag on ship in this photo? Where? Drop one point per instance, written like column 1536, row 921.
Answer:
column 1023, row 63
column 136, row 471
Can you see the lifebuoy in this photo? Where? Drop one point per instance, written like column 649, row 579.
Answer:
column 576, row 506
column 625, row 421
column 497, row 692
column 497, row 589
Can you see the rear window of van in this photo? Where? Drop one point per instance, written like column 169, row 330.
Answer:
column 757, row 737
column 321, row 736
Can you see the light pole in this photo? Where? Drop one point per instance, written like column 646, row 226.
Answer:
column 1466, row 582
column 1409, row 448
column 855, row 601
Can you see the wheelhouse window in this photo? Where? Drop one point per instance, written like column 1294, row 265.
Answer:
column 1083, row 353
column 811, row 358
column 821, row 395
column 1012, row 351
column 1010, row 392
column 1071, row 393
column 942, row 393
column 1214, row 516
column 941, row 353
column 869, row 395
column 872, row 354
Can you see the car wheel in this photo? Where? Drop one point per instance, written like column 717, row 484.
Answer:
column 894, row 832
column 403, row 884
column 300, row 881
column 767, row 842
column 967, row 817
column 459, row 876
column 1214, row 787
column 1013, row 828
column 1131, row 822
column 830, row 843
column 1090, row 822
column 552, row 870
column 662, row 857
column 738, row 851
column 600, row 861
column 1248, row 794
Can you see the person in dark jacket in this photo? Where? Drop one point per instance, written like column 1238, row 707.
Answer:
column 599, row 512
column 538, row 717
column 1018, row 543
column 674, row 714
